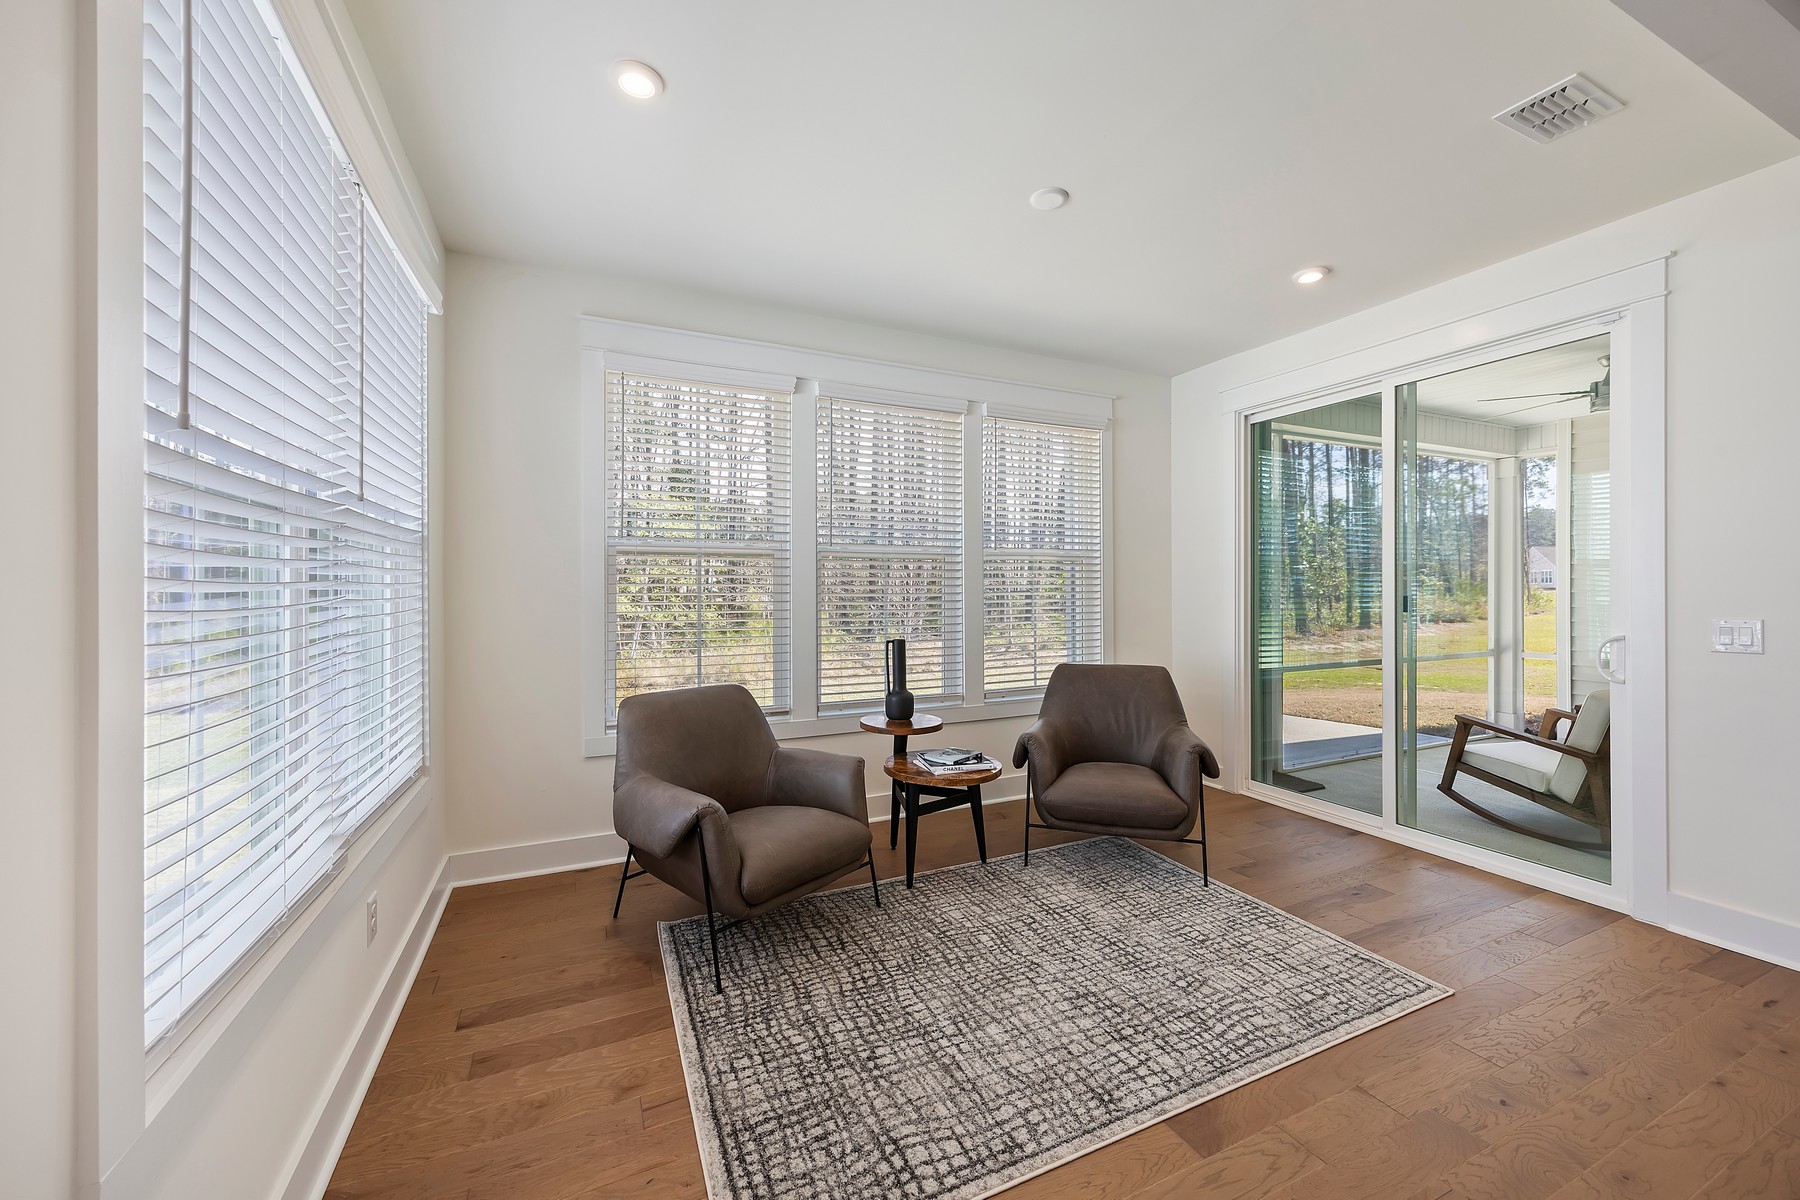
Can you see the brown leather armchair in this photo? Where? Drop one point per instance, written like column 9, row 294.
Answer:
column 709, row 803
column 1111, row 753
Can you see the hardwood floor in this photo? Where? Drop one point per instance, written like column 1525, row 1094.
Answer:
column 1584, row 1057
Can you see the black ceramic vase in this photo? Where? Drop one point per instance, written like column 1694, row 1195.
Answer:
column 899, row 700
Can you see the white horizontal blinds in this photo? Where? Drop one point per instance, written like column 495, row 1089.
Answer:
column 165, row 176
column 1042, row 553
column 890, row 526
column 284, row 500
column 697, row 536
column 1587, row 567
column 380, row 545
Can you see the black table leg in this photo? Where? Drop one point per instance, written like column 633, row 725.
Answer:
column 894, row 789
column 912, row 830
column 975, row 811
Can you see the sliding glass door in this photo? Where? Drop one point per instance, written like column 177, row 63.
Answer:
column 1316, row 686
column 1497, row 550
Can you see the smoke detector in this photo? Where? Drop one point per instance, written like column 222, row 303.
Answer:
column 1575, row 103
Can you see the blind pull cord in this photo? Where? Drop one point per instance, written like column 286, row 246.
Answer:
column 362, row 341
column 184, row 283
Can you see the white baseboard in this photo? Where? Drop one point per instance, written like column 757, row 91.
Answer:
column 534, row 858
column 1009, row 787
column 1733, row 929
column 604, row 849
column 312, row 1171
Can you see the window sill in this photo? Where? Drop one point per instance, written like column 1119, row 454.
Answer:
column 788, row 729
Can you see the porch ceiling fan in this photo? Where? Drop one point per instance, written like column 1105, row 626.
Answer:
column 1599, row 393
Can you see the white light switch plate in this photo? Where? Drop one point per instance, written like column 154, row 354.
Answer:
column 1737, row 637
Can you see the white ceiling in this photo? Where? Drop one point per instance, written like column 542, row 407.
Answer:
column 873, row 161
column 1521, row 390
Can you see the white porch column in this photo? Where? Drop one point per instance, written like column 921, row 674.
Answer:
column 1506, row 593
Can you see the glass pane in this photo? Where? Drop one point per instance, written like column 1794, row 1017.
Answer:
column 683, row 620
column 1539, row 671
column 1316, row 711
column 1478, row 539
column 1448, row 613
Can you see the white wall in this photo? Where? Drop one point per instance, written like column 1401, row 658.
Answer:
column 512, row 525
column 37, row 700
column 1733, row 427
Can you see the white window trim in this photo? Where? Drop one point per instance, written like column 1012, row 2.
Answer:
column 122, row 1103
column 608, row 344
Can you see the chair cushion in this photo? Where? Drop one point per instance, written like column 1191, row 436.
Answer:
column 1591, row 724
column 785, row 846
column 1520, row 762
column 1119, row 795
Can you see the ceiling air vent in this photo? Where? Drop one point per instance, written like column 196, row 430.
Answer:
column 1575, row 103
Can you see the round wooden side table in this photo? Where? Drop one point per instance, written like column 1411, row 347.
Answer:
column 921, row 724
column 914, row 779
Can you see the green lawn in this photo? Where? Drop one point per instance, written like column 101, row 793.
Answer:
column 1353, row 694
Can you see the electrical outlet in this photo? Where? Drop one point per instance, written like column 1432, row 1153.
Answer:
column 371, row 936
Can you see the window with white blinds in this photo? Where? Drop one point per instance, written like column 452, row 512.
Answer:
column 284, row 501
column 698, row 527
column 1043, row 565
column 890, row 536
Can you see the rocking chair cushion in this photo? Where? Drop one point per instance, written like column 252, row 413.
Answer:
column 1527, row 765
column 1591, row 724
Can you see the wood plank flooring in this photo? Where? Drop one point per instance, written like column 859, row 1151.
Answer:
column 1584, row 1057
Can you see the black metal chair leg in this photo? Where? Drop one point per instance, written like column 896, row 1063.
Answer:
column 624, row 874
column 1205, row 875
column 874, row 884
column 712, row 932
column 1028, row 791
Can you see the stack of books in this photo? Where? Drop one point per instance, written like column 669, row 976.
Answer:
column 954, row 760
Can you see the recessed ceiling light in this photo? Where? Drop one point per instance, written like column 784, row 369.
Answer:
column 1048, row 198
column 1310, row 275
column 637, row 80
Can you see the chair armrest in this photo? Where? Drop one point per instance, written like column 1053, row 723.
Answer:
column 1181, row 758
column 816, row 779
column 1042, row 745
column 1551, row 719
column 1587, row 756
column 654, row 816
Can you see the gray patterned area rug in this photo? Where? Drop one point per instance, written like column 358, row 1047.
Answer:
column 997, row 1020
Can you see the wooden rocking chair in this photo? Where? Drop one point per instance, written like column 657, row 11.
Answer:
column 1571, row 776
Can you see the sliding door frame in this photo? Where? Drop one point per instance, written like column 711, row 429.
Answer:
column 1631, row 306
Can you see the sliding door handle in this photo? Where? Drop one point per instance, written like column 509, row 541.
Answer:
column 1610, row 661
